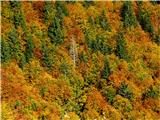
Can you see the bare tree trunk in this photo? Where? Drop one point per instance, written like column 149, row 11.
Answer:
column 73, row 51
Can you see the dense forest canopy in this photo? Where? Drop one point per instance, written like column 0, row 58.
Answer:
column 80, row 60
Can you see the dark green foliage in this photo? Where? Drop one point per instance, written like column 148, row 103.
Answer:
column 139, row 3
column 23, row 22
column 48, row 54
column 155, row 2
column 29, row 53
column 5, row 51
column 145, row 21
column 153, row 92
column 42, row 91
column 98, row 44
column 109, row 92
column 156, row 38
column 34, row 106
column 17, row 104
column 91, row 20
column 100, row 20
column 83, row 57
column 127, row 14
column 15, row 4
column 125, row 91
column 19, row 18
column 61, row 9
column 42, row 117
column 22, row 61
column 106, row 70
column 64, row 68
column 55, row 32
column 14, row 43
column 49, row 12
column 121, row 48
column 88, row 3
column 103, row 21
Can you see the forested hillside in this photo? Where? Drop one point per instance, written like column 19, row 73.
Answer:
column 80, row 60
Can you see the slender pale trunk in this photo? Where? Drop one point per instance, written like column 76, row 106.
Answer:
column 73, row 51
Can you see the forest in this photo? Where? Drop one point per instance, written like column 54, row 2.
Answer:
column 80, row 60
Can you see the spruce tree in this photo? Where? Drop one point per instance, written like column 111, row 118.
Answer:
column 14, row 43
column 127, row 14
column 106, row 70
column 48, row 54
column 19, row 18
column 104, row 21
column 49, row 12
column 29, row 53
column 61, row 10
column 5, row 51
column 121, row 48
column 55, row 32
column 145, row 21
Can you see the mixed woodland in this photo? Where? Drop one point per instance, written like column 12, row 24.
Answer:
column 80, row 60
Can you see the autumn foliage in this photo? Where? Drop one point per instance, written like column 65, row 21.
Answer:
column 80, row 60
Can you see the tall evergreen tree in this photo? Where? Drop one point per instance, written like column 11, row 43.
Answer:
column 55, row 32
column 5, row 51
column 48, row 54
column 61, row 9
column 19, row 18
column 145, row 21
column 106, row 70
column 121, row 48
column 29, row 53
column 14, row 43
column 104, row 21
column 127, row 14
column 49, row 12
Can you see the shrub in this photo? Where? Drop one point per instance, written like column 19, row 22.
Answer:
column 127, row 14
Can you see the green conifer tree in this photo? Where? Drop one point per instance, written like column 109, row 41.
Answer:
column 55, row 32
column 5, row 51
column 106, row 70
column 48, row 54
column 127, row 14
column 121, row 48
column 14, row 43
column 29, row 52
column 104, row 21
